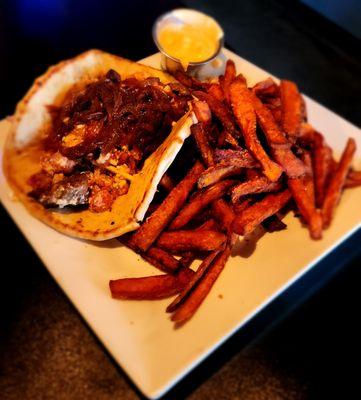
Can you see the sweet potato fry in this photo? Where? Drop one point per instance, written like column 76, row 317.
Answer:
column 204, row 148
column 271, row 130
column 293, row 166
column 210, row 224
column 187, row 309
column 216, row 91
column 150, row 287
column 353, row 179
column 189, row 81
column 221, row 139
column 227, row 79
column 291, row 108
column 152, row 207
column 274, row 224
column 187, row 258
column 354, row 175
column 266, row 89
column 246, row 118
column 253, row 173
column 154, row 256
column 303, row 110
column 146, row 235
column 276, row 114
column 201, row 240
column 164, row 258
column 202, row 111
column 274, row 105
column 156, row 263
column 349, row 184
column 223, row 213
column 166, row 182
column 230, row 71
column 306, row 206
column 230, row 163
column 308, row 179
column 261, row 184
column 239, row 157
column 334, row 189
column 307, row 132
column 252, row 216
column 331, row 170
column 199, row 202
column 193, row 281
column 221, row 111
column 279, row 144
column 242, row 205
column 322, row 155
column 229, row 139
column 218, row 172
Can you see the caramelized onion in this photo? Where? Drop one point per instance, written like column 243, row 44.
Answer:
column 113, row 113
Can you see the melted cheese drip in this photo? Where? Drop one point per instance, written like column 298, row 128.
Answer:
column 120, row 171
column 189, row 43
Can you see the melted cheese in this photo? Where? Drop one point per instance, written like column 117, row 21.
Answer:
column 120, row 171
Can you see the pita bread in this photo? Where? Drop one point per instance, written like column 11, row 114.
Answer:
column 31, row 121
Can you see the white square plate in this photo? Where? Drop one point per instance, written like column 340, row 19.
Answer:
column 139, row 334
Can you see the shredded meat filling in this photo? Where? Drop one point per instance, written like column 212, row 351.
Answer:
column 101, row 136
column 72, row 190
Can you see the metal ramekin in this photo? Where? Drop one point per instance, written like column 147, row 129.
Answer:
column 170, row 63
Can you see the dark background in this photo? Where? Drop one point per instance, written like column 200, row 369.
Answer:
column 346, row 13
column 306, row 344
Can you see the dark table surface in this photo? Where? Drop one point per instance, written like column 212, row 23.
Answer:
column 306, row 344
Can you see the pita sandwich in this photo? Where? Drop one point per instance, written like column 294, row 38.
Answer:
column 34, row 119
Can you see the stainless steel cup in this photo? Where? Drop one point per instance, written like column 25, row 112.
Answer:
column 172, row 64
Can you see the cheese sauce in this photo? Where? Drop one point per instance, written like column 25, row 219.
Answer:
column 193, row 40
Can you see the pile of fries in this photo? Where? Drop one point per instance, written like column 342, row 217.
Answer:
column 254, row 158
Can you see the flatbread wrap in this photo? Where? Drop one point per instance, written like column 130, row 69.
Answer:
column 91, row 140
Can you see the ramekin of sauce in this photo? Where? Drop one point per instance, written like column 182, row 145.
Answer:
column 187, row 39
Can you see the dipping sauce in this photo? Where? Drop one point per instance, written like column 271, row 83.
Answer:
column 189, row 36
